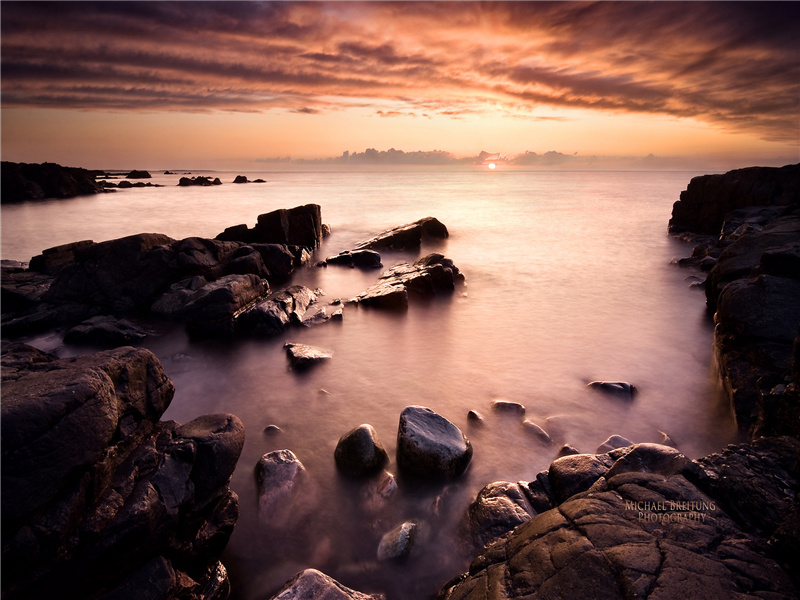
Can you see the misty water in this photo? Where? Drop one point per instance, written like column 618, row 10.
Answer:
column 568, row 280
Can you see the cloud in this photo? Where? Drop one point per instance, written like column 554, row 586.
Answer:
column 734, row 65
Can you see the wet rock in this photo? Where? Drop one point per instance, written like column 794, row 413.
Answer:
column 277, row 312
column 363, row 259
column 22, row 289
column 280, row 476
column 618, row 389
column 29, row 181
column 652, row 458
column 398, row 543
column 312, row 584
column 105, row 331
column 406, row 237
column 360, row 452
column 475, row 418
column 214, row 308
column 429, row 446
column 498, row 508
column 173, row 302
column 52, row 260
column 303, row 356
column 507, row 407
column 566, row 450
column 428, row 276
column 377, row 491
column 138, row 175
column 570, row 475
column 534, row 430
column 299, row 226
column 612, row 443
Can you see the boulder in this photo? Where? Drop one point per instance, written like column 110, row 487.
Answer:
column 52, row 260
column 280, row 476
column 24, row 181
column 360, row 452
column 106, row 331
column 100, row 498
column 138, row 175
column 429, row 446
column 498, row 508
column 612, row 443
column 508, row 407
column 536, row 431
column 303, row 356
column 566, row 450
column 299, row 226
column 363, row 259
column 199, row 181
column 398, row 543
column 576, row 473
column 406, row 237
column 240, row 179
column 315, row 585
column 618, row 389
column 215, row 307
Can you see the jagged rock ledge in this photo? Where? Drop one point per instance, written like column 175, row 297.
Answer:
column 28, row 181
column 101, row 499
column 746, row 227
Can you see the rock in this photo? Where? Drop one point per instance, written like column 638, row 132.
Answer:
column 99, row 497
column 22, row 290
column 475, row 418
column 299, row 226
column 52, row 260
column 198, row 181
column 363, row 259
column 426, row 277
column 240, row 179
column 302, row 356
column 280, row 476
column 570, row 475
column 619, row 389
column 360, row 452
column 314, row 585
column 105, row 331
column 398, row 543
column 566, row 450
column 138, row 175
column 173, row 302
column 534, row 430
column 652, row 458
column 406, row 237
column 272, row 430
column 498, row 508
column 508, row 407
column 653, row 534
column 666, row 440
column 612, row 443
column 24, row 181
column 709, row 198
column 215, row 307
column 430, row 446
column 277, row 312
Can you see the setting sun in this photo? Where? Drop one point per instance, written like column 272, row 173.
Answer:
column 491, row 165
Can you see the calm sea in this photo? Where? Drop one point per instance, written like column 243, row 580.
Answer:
column 568, row 280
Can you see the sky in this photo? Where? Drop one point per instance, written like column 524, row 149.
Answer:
column 243, row 84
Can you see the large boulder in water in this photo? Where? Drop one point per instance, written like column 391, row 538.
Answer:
column 360, row 452
column 429, row 446
column 406, row 237
column 280, row 476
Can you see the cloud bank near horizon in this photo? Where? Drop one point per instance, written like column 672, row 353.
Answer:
column 733, row 65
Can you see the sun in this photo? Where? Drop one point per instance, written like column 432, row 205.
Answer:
column 491, row 165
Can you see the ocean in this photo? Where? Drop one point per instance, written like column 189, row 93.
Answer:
column 569, row 279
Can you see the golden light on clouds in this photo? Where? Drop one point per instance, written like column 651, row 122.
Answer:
column 250, row 80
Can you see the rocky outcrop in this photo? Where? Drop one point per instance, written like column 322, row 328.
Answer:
column 24, row 181
column 312, row 584
column 199, row 181
column 426, row 277
column 99, row 496
column 406, row 237
column 138, row 175
column 105, row 331
column 299, row 226
column 429, row 446
column 653, row 525
column 752, row 287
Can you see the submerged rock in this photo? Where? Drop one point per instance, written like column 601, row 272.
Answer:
column 534, row 430
column 398, row 543
column 315, row 585
column 360, row 452
column 280, row 476
column 508, row 407
column 619, row 389
column 430, row 446
column 612, row 443
column 303, row 356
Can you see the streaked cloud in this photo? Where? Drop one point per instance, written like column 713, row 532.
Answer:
column 733, row 65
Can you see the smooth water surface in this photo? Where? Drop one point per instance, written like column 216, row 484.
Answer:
column 568, row 280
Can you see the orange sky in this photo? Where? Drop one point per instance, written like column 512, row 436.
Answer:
column 228, row 85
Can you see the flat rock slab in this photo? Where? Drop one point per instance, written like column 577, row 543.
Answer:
column 105, row 330
column 315, row 585
column 618, row 389
column 406, row 237
column 302, row 356
column 430, row 446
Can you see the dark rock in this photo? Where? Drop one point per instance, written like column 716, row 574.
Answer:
column 709, row 198
column 429, row 446
column 398, row 543
column 612, row 443
column 299, row 226
column 302, row 356
column 498, row 508
column 272, row 429
column 173, row 302
column 23, row 181
column 22, row 289
column 240, row 179
column 475, row 418
column 426, row 277
column 52, row 260
column 566, row 450
column 536, row 431
column 105, row 331
column 360, row 452
column 570, row 475
column 314, row 585
column 138, row 175
column 363, row 259
column 277, row 312
column 214, row 308
column 198, row 181
column 406, row 237
column 280, row 476
column 508, row 407
column 619, row 389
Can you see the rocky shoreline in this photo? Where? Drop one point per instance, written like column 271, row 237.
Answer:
column 101, row 498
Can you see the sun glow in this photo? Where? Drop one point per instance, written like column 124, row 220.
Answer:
column 491, row 166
